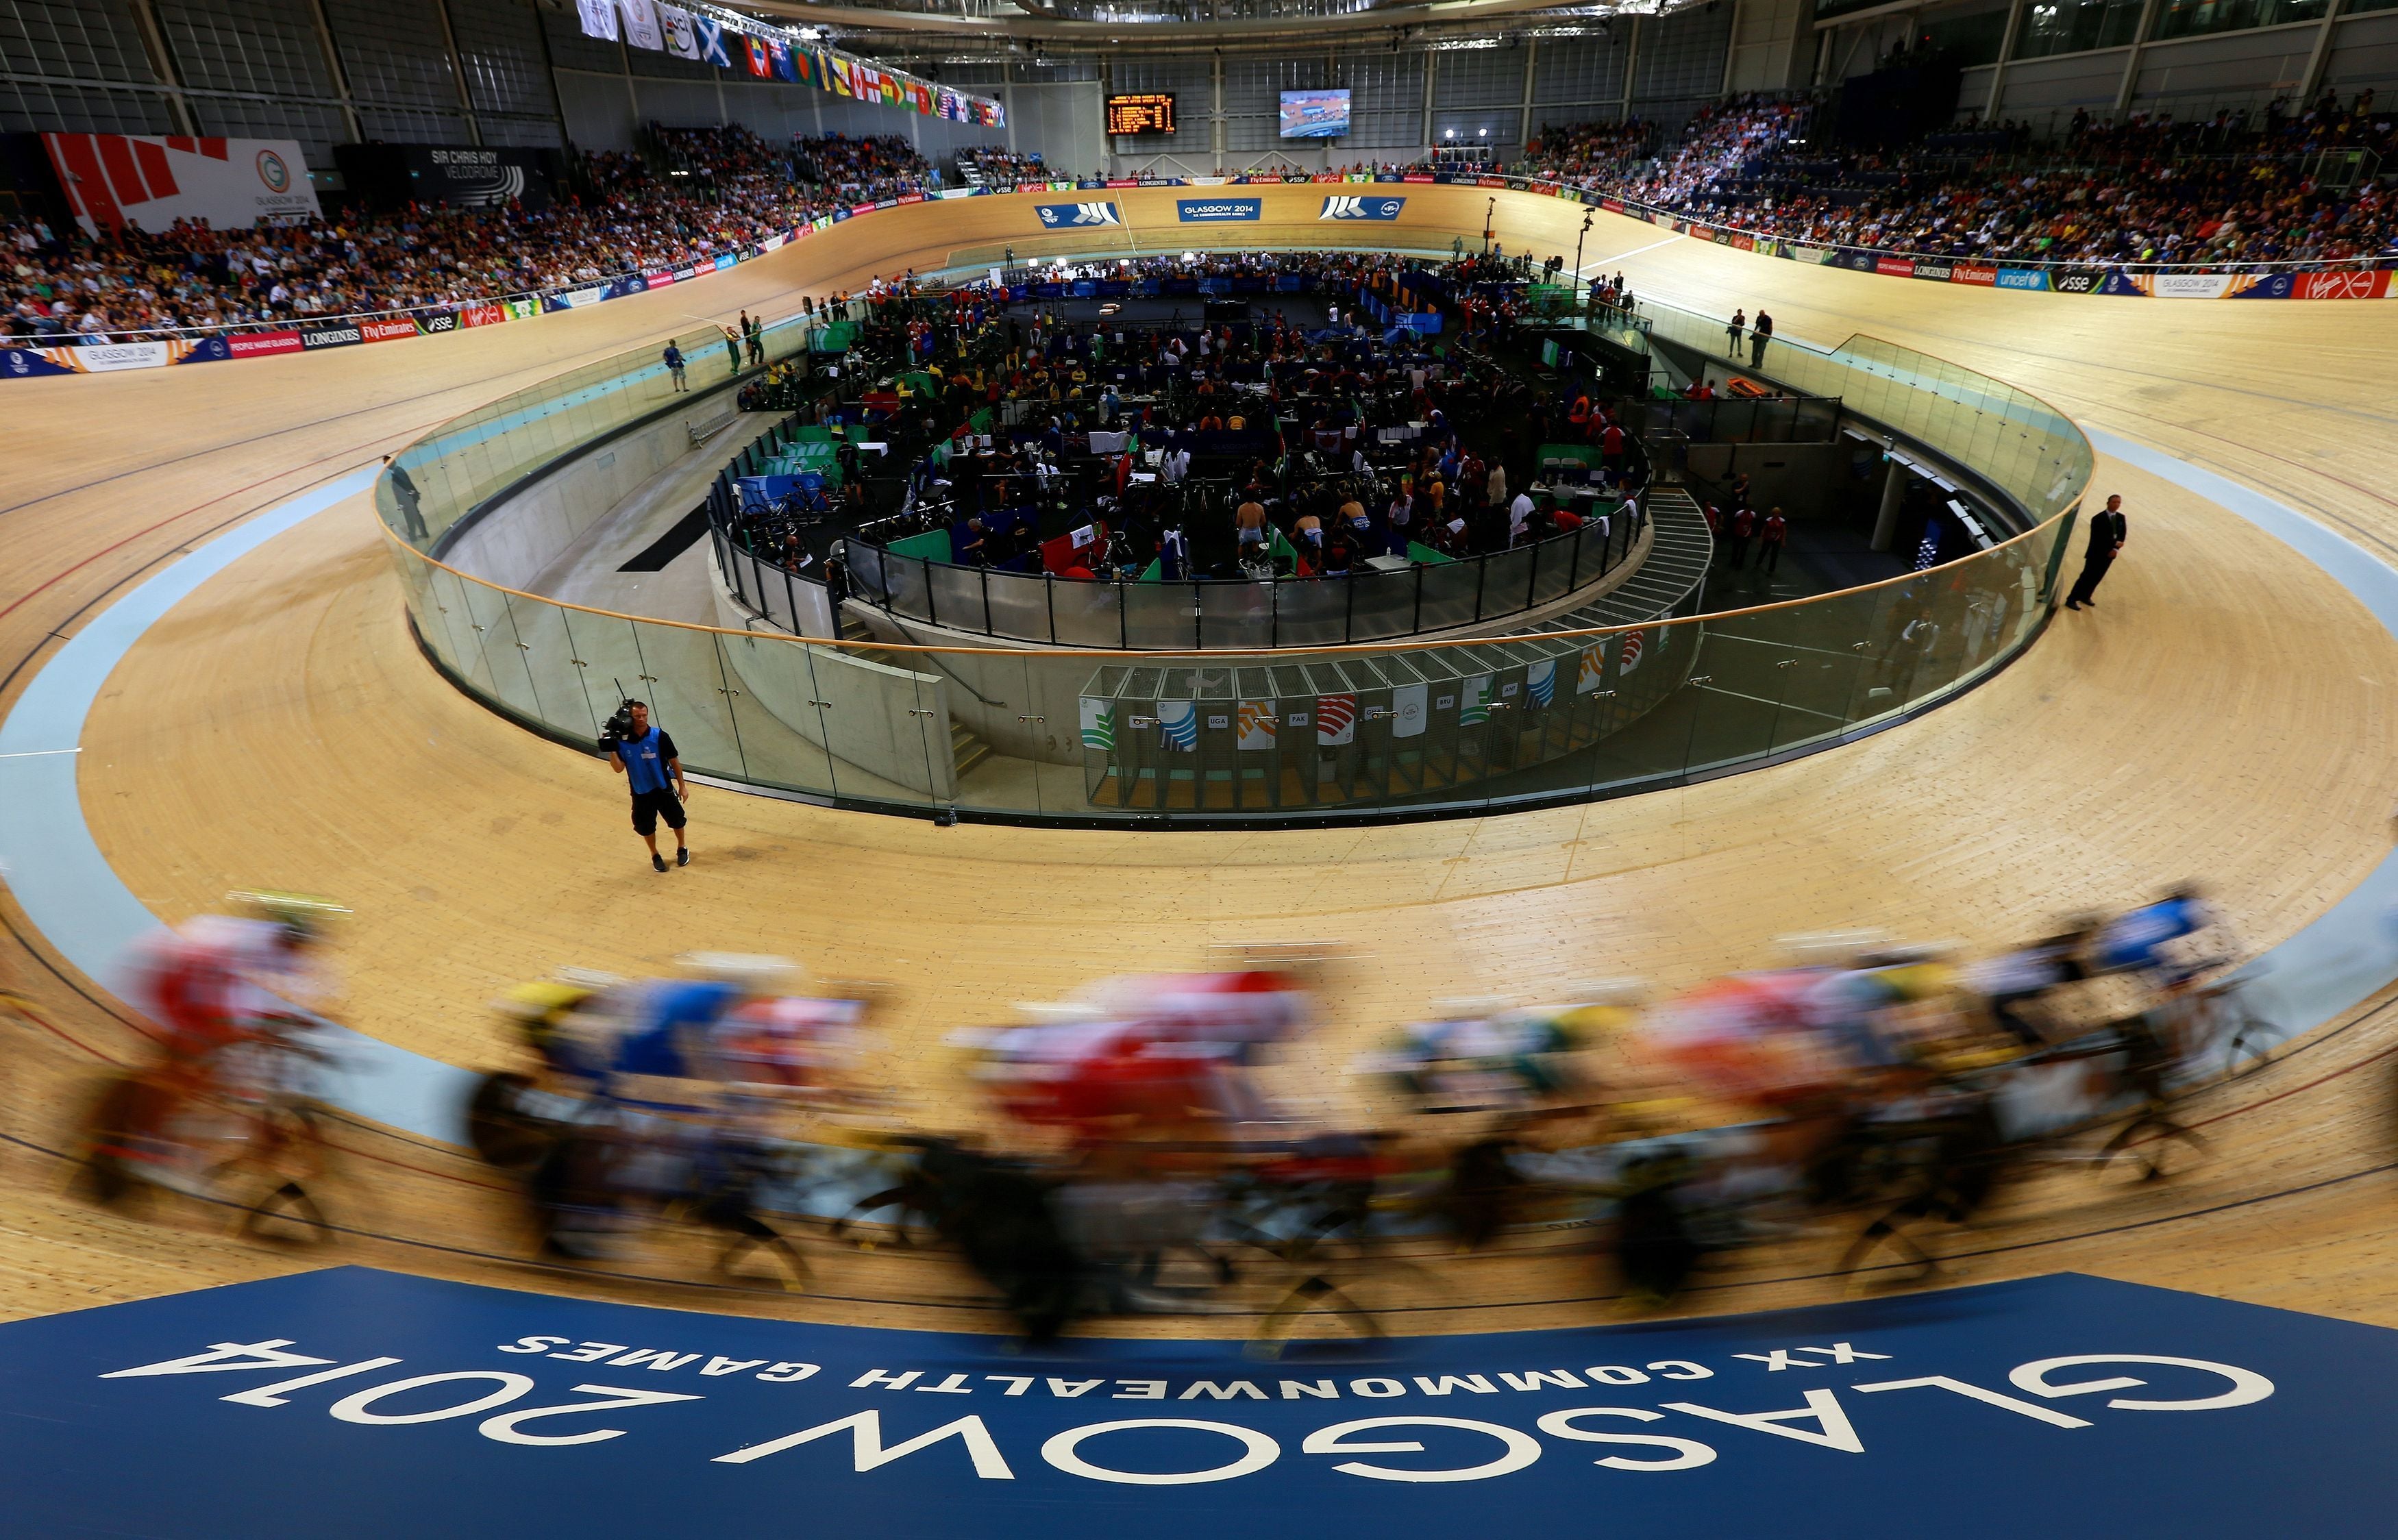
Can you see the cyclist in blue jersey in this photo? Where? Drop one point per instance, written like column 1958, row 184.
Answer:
column 2150, row 940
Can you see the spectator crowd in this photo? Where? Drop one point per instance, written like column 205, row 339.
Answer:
column 2234, row 188
column 698, row 193
column 1308, row 442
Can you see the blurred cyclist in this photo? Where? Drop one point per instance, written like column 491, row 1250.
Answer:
column 2154, row 941
column 217, row 980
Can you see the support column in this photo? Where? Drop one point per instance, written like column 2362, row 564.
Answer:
column 1631, row 71
column 2131, row 57
column 1893, row 485
column 458, row 73
column 162, row 64
column 1524, row 123
column 1216, row 111
column 2311, row 81
column 333, row 64
column 2006, row 52
column 1431, row 75
column 549, row 73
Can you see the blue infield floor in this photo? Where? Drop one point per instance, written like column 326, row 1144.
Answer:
column 355, row 1402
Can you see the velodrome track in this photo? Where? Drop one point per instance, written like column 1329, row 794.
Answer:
column 2223, row 715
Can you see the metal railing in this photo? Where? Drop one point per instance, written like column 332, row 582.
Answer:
column 1241, row 614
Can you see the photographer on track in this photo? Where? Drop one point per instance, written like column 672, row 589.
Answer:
column 645, row 755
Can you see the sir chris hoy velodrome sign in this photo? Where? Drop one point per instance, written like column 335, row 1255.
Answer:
column 364, row 1403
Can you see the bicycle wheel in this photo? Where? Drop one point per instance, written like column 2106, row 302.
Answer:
column 2249, row 1050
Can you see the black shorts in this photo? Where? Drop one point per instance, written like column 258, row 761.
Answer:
column 649, row 805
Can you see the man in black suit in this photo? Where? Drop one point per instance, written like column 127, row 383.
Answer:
column 2108, row 530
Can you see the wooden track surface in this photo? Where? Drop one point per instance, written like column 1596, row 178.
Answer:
column 2223, row 715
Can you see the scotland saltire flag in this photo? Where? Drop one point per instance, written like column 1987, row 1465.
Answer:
column 711, row 43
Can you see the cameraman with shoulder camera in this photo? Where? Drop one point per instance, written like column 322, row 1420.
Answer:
column 646, row 757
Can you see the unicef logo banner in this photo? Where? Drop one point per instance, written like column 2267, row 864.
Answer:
column 1361, row 206
column 1065, row 216
column 1218, row 210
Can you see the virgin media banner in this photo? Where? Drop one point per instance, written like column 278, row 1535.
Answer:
column 150, row 181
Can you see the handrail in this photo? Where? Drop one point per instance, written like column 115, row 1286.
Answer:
column 1119, row 654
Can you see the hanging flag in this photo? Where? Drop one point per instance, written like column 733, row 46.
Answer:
column 599, row 18
column 779, row 53
column 810, row 65
column 866, row 79
column 761, row 63
column 1336, row 719
column 1257, row 724
column 712, row 46
column 920, row 96
column 1099, row 724
column 683, row 37
column 837, row 71
column 1474, row 700
column 1634, row 642
column 642, row 24
column 1178, row 722
column 1592, row 670
column 1407, row 711
column 1541, row 680
column 952, row 104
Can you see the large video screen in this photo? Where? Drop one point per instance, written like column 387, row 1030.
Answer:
column 1315, row 114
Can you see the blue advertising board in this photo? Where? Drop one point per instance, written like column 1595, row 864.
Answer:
column 1218, row 210
column 1366, row 206
column 1063, row 216
column 363, row 1403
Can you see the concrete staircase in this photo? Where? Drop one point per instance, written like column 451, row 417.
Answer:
column 1678, row 562
column 967, row 747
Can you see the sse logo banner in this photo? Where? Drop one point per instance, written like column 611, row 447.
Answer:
column 1360, row 207
column 1060, row 216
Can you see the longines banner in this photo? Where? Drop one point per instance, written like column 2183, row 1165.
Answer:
column 369, row 1405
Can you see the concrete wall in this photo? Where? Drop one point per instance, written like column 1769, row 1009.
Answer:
column 869, row 719
column 515, row 542
column 1806, row 481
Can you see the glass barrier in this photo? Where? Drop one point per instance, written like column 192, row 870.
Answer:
column 1248, row 733
column 2023, row 446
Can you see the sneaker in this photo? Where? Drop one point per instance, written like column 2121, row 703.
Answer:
column 682, row 857
column 659, row 862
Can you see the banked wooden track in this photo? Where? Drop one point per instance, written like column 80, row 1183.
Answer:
column 2224, row 715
